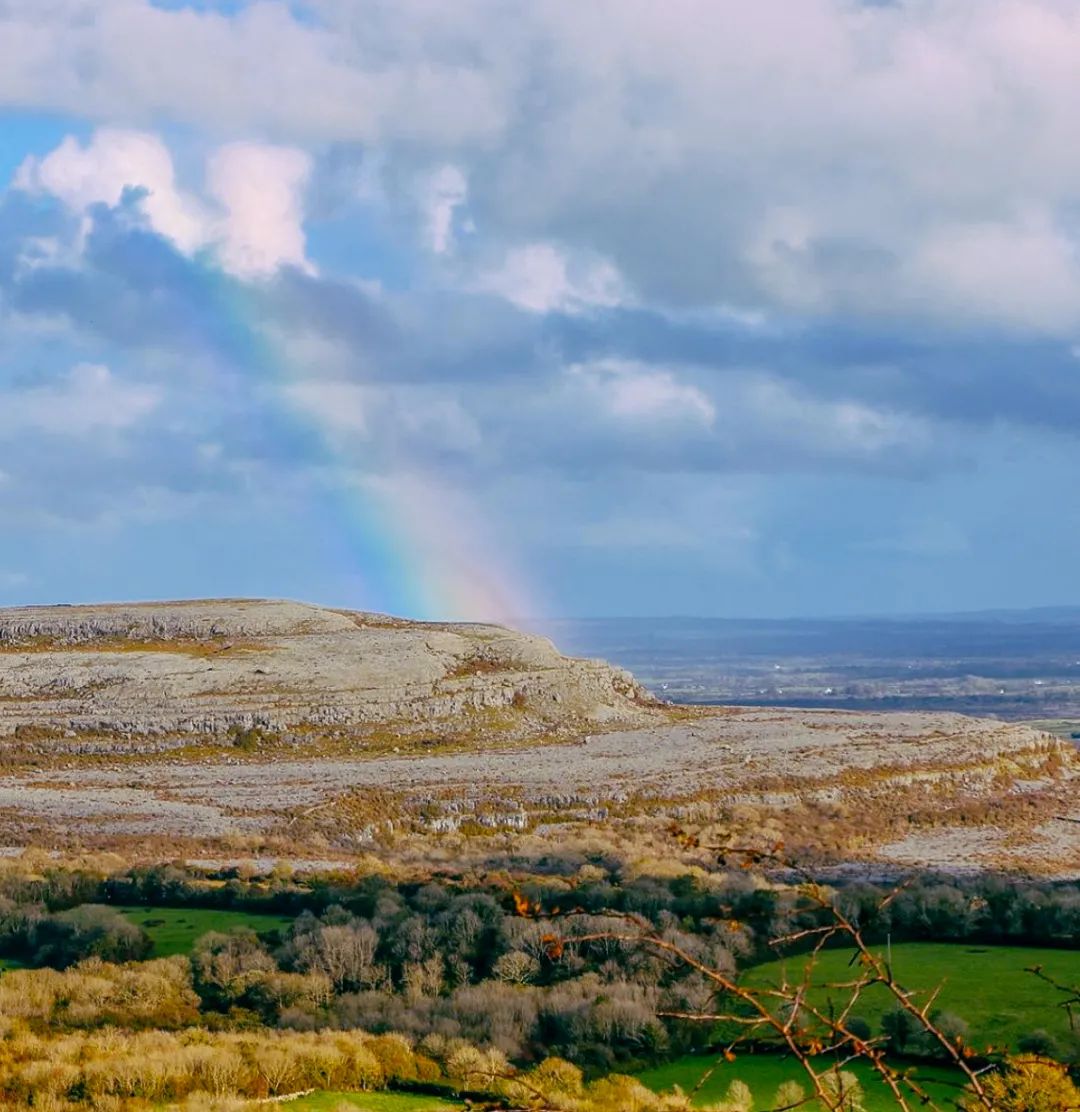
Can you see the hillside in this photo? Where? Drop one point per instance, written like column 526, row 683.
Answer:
column 274, row 729
column 164, row 673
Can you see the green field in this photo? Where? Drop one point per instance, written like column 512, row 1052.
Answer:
column 986, row 986
column 174, row 930
column 370, row 1102
column 764, row 1073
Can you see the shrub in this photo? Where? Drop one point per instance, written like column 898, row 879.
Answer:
column 844, row 1091
column 226, row 966
column 905, row 1034
column 1041, row 1044
column 427, row 1069
column 516, row 968
column 738, row 1098
column 619, row 1093
column 790, row 1095
column 556, row 1077
column 154, row 993
column 91, row 930
column 395, row 1056
column 1029, row 1085
column 296, row 993
column 363, row 1068
column 471, row 1068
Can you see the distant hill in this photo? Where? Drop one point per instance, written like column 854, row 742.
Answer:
column 174, row 671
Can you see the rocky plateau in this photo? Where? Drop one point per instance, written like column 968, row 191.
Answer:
column 277, row 729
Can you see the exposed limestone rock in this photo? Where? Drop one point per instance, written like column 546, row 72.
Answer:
column 372, row 726
column 202, row 667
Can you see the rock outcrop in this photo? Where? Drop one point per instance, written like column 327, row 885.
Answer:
column 176, row 669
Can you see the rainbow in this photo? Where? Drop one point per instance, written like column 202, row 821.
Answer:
column 417, row 547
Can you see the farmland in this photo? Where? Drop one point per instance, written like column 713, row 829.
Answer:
column 987, row 987
column 765, row 1073
column 174, row 930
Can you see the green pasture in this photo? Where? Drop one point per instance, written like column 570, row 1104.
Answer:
column 765, row 1073
column 175, row 930
column 986, row 986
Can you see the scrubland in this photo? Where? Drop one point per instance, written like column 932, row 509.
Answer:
column 521, row 989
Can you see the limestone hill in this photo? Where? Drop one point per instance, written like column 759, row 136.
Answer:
column 174, row 670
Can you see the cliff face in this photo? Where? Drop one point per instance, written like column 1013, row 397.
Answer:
column 177, row 669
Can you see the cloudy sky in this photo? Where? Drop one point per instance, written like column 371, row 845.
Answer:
column 541, row 307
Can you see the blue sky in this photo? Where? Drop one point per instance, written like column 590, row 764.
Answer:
column 495, row 309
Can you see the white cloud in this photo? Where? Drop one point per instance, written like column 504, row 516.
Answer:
column 444, row 192
column 411, row 421
column 656, row 140
column 110, row 163
column 758, row 407
column 89, row 399
column 1022, row 274
column 541, row 279
column 261, row 189
column 252, row 214
column 732, row 420
column 636, row 392
column 342, row 76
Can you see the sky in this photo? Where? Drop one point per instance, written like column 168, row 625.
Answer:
column 526, row 308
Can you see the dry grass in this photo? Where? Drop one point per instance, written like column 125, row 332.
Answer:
column 480, row 666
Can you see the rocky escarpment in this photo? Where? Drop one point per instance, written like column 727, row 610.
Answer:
column 160, row 669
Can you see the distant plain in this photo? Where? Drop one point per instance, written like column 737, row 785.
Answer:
column 1021, row 665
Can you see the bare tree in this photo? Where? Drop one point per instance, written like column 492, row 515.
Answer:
column 345, row 953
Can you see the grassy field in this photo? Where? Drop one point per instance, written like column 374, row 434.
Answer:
column 986, row 986
column 370, row 1102
column 174, row 930
column 764, row 1073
